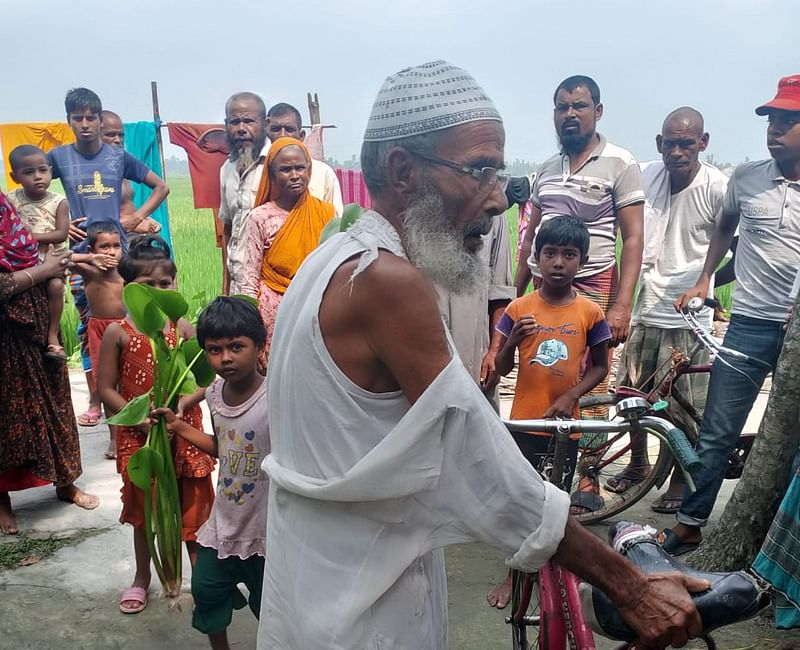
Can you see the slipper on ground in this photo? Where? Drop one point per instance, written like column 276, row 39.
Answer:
column 673, row 544
column 137, row 595
column 586, row 501
column 90, row 418
column 666, row 505
column 622, row 483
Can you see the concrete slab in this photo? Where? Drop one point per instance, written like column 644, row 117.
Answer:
column 70, row 599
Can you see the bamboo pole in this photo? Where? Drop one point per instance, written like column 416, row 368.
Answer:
column 159, row 124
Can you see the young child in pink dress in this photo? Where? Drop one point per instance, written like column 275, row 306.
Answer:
column 232, row 541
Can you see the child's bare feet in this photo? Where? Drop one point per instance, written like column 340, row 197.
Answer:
column 111, row 451
column 500, row 596
column 8, row 523
column 73, row 494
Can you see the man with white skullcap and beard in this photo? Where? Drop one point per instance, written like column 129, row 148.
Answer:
column 384, row 450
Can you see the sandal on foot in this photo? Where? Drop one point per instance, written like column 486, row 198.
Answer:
column 91, row 417
column 666, row 505
column 137, row 595
column 673, row 544
column 56, row 352
column 623, row 481
column 582, row 503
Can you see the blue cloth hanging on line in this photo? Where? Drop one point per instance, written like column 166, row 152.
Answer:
column 141, row 142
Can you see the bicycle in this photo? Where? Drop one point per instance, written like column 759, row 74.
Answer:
column 620, row 455
column 550, row 600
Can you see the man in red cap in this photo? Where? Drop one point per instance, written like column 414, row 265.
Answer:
column 763, row 200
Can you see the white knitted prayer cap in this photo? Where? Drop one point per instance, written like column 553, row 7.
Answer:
column 427, row 98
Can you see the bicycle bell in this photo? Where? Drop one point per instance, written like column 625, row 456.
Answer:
column 633, row 407
column 695, row 304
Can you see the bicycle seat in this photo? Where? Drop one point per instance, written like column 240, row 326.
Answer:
column 732, row 597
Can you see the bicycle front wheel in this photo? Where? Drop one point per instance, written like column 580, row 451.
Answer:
column 622, row 468
column 525, row 617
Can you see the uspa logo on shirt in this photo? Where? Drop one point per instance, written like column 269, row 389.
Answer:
column 96, row 187
column 550, row 352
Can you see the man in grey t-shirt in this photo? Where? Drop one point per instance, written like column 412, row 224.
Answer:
column 763, row 199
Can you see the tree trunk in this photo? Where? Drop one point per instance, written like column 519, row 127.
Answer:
column 737, row 538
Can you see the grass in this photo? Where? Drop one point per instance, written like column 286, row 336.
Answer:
column 199, row 261
column 30, row 550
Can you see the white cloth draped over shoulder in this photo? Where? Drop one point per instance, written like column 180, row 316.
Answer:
column 367, row 489
column 656, row 185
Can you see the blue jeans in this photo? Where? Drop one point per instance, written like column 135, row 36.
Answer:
column 730, row 398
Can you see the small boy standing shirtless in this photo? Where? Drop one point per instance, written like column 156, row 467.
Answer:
column 46, row 215
column 102, row 284
column 103, row 287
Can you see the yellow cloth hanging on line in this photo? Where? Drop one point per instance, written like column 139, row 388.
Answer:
column 45, row 135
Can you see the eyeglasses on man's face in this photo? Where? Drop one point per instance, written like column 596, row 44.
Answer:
column 487, row 177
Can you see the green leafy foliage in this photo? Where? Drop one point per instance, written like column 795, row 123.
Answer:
column 134, row 412
column 143, row 465
column 350, row 214
column 179, row 369
column 145, row 313
column 203, row 372
column 171, row 303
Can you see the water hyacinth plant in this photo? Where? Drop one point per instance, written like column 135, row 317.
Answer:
column 179, row 371
column 350, row 214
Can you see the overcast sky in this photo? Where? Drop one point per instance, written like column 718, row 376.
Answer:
column 723, row 57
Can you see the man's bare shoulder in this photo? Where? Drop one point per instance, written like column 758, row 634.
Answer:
column 383, row 327
column 389, row 279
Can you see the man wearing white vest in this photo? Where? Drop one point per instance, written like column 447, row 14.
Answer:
column 384, row 449
column 683, row 201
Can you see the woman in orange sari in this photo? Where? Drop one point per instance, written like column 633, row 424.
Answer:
column 284, row 227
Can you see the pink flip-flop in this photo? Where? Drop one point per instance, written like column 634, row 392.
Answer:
column 135, row 594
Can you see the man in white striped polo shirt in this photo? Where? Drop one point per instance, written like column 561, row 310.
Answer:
column 599, row 183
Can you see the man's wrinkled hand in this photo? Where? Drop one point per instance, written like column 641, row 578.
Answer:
column 661, row 610
column 619, row 320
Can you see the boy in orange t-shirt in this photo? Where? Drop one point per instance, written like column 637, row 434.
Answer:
column 552, row 328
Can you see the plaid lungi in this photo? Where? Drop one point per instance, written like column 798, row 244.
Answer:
column 778, row 562
column 650, row 348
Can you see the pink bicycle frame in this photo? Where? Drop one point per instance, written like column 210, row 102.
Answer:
column 562, row 624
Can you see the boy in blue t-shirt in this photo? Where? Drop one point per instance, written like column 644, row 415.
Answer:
column 92, row 172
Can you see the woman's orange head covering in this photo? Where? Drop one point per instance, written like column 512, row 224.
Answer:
column 266, row 190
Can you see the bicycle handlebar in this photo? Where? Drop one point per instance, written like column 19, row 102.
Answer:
column 676, row 439
column 702, row 334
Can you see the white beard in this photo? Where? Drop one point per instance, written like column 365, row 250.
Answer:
column 437, row 249
column 244, row 158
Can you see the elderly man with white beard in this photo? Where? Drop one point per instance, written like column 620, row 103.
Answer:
column 246, row 130
column 384, row 450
